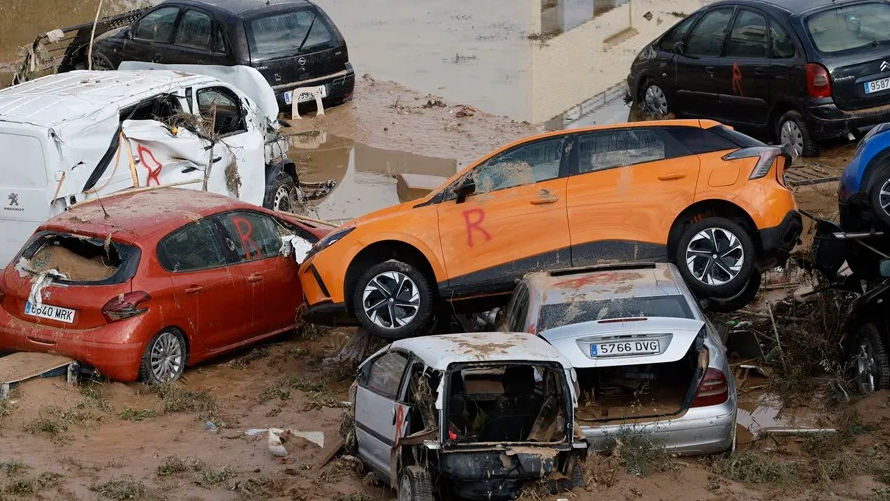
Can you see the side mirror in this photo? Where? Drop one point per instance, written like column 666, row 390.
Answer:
column 464, row 190
column 128, row 33
column 679, row 48
column 885, row 268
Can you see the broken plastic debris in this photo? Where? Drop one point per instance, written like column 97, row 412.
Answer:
column 275, row 434
column 300, row 247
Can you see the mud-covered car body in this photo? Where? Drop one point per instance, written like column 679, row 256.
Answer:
column 648, row 360
column 407, row 390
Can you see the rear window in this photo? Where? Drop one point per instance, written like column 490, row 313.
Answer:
column 79, row 260
column 283, row 34
column 557, row 315
column 847, row 28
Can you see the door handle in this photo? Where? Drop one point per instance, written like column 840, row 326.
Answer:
column 672, row 177
column 194, row 289
column 709, row 69
column 759, row 71
column 256, row 277
column 544, row 200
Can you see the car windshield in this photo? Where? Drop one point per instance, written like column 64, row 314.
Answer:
column 557, row 315
column 845, row 28
column 282, row 34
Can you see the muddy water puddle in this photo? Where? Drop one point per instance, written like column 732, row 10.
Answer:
column 366, row 176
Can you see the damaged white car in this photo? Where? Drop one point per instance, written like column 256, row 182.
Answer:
column 76, row 136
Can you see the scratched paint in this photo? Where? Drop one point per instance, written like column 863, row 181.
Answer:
column 473, row 219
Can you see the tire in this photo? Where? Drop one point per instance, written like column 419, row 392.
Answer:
column 166, row 346
column 653, row 99
column 792, row 131
column 738, row 301
column 871, row 365
column 377, row 285
column 879, row 182
column 712, row 278
column 283, row 195
column 415, row 484
column 102, row 63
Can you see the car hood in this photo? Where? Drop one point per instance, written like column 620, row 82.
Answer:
column 380, row 214
column 674, row 335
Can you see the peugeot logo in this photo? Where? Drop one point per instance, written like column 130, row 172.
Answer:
column 885, row 66
column 13, row 199
column 302, row 61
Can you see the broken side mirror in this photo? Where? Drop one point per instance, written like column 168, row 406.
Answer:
column 464, row 190
column 885, row 268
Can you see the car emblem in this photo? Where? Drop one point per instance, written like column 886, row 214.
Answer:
column 278, row 77
column 885, row 66
column 302, row 61
column 13, row 199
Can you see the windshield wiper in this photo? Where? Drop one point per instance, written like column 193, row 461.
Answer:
column 308, row 32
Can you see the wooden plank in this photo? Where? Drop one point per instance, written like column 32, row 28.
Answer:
column 24, row 365
column 331, row 449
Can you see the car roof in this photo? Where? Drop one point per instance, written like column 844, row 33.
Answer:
column 441, row 351
column 792, row 6
column 605, row 282
column 241, row 7
column 143, row 215
column 61, row 97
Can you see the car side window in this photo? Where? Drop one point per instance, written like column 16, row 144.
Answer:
column 384, row 375
column 676, row 35
column 157, row 26
column 748, row 38
column 194, row 31
column 190, row 248
column 219, row 45
column 250, row 235
column 520, row 309
column 222, row 108
column 782, row 45
column 618, row 148
column 527, row 164
column 706, row 40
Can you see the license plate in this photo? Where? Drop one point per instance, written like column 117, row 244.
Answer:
column 625, row 348
column 56, row 313
column 877, row 85
column 305, row 96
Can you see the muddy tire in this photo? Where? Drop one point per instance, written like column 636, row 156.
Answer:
column 415, row 484
column 282, row 194
column 879, row 194
column 793, row 133
column 716, row 258
column 738, row 301
column 164, row 358
column 653, row 100
column 393, row 300
column 102, row 63
column 871, row 365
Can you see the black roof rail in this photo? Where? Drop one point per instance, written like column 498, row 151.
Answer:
column 603, row 267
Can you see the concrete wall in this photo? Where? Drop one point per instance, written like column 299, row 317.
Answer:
column 575, row 66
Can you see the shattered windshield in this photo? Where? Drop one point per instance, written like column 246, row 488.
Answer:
column 557, row 315
column 284, row 34
column 853, row 27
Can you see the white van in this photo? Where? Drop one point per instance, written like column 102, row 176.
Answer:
column 70, row 137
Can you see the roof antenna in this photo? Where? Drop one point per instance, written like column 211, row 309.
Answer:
column 96, row 192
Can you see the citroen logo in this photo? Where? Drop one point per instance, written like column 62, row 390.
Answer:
column 278, row 77
column 302, row 61
column 885, row 66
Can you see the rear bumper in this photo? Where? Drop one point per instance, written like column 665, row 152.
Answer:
column 115, row 350
column 778, row 241
column 827, row 121
column 702, row 430
column 340, row 86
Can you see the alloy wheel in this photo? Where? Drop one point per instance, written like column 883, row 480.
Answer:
column 715, row 256
column 166, row 357
column 391, row 300
column 885, row 197
column 655, row 100
column 866, row 368
column 792, row 137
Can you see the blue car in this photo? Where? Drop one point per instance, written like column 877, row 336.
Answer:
column 864, row 188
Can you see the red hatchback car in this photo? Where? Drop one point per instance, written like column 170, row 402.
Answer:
column 146, row 283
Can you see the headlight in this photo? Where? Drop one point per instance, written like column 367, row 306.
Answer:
column 329, row 240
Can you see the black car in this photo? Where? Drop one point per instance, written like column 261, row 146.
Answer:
column 803, row 70
column 293, row 43
column 868, row 336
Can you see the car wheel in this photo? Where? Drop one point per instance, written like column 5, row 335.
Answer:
column 284, row 195
column 393, row 300
column 654, row 100
column 879, row 194
column 738, row 301
column 164, row 358
column 415, row 484
column 716, row 257
column 102, row 63
column 794, row 134
column 870, row 360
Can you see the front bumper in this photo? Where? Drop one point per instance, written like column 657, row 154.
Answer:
column 827, row 121
column 340, row 87
column 778, row 241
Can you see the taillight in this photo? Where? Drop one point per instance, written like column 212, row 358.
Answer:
column 818, row 81
column 125, row 306
column 765, row 155
column 713, row 389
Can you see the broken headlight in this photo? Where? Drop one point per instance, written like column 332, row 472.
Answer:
column 329, row 240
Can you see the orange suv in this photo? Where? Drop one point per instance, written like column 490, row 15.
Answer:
column 692, row 192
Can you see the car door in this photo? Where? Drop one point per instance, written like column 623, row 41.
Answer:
column 696, row 63
column 787, row 66
column 208, row 291
column 514, row 221
column 269, row 278
column 199, row 40
column 744, row 75
column 150, row 38
column 376, row 408
column 626, row 187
